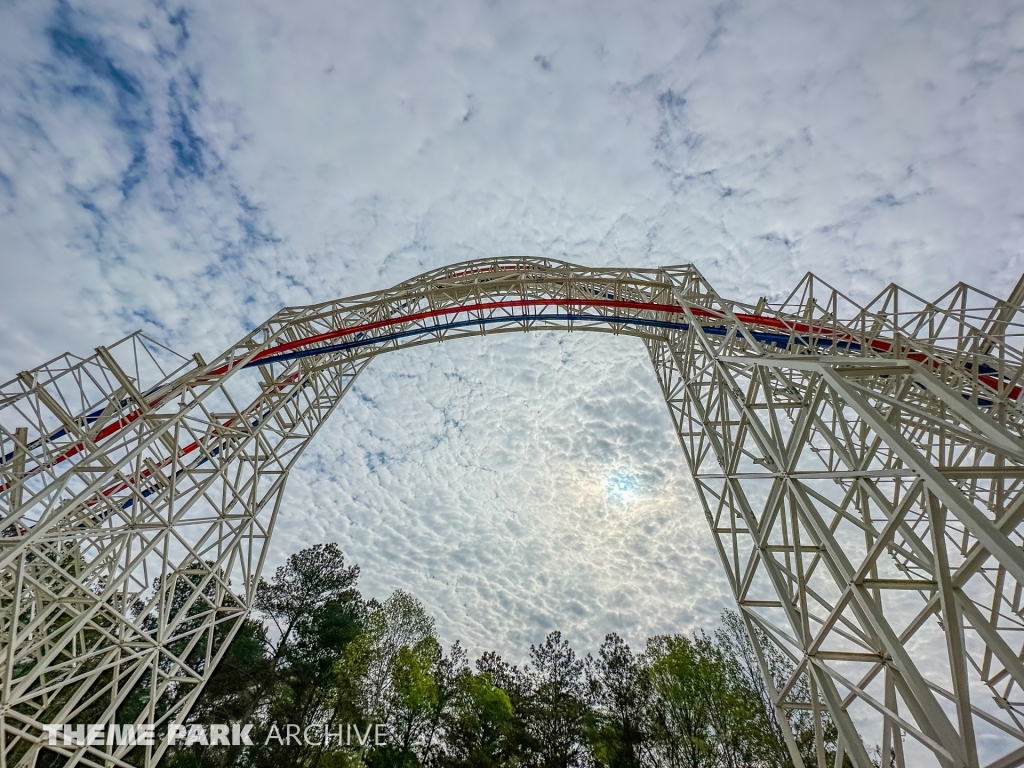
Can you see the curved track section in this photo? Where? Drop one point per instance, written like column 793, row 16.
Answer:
column 861, row 470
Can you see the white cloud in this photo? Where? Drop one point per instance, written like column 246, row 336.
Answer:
column 494, row 508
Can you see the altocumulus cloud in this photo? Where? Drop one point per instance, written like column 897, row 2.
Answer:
column 190, row 168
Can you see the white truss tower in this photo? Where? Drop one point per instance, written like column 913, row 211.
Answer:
column 861, row 470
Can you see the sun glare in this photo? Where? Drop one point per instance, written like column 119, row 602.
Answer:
column 622, row 487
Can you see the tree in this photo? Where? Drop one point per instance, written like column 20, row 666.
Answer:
column 478, row 726
column 706, row 708
column 621, row 689
column 557, row 707
column 285, row 673
column 740, row 728
column 681, row 733
column 732, row 638
column 399, row 622
column 316, row 612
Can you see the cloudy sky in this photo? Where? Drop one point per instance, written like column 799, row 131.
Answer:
column 190, row 168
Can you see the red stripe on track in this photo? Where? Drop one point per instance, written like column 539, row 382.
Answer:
column 768, row 322
column 377, row 324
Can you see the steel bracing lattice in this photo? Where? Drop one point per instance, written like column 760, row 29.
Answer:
column 861, row 470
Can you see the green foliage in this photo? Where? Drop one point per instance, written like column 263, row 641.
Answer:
column 283, row 672
column 621, row 690
column 555, row 705
column 316, row 654
column 478, row 724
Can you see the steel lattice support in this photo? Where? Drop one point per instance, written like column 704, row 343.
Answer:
column 861, row 470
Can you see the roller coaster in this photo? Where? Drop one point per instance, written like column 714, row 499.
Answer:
column 861, row 470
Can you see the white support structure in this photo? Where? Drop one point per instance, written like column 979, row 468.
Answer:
column 861, row 470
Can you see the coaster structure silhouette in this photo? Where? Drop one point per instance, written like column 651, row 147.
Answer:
column 861, row 470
